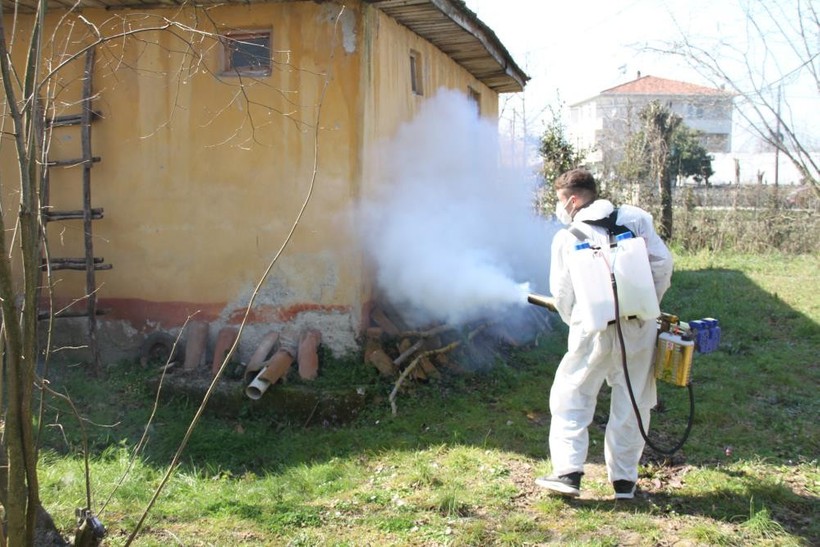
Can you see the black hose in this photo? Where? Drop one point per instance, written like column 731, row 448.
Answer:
column 666, row 451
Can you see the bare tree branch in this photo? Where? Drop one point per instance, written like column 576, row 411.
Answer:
column 780, row 48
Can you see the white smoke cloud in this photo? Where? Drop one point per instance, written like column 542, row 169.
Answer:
column 453, row 234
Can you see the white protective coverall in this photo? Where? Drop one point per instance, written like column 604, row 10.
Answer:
column 592, row 358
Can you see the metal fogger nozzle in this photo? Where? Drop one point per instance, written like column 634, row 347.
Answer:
column 541, row 300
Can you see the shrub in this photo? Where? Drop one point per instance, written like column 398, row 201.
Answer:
column 754, row 219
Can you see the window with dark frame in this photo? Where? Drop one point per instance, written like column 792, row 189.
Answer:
column 475, row 98
column 416, row 84
column 247, row 52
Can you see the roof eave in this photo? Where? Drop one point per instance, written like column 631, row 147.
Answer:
column 462, row 36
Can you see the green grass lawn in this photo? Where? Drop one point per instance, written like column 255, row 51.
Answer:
column 456, row 465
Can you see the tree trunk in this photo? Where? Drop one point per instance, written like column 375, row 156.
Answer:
column 20, row 487
column 666, row 204
column 22, row 502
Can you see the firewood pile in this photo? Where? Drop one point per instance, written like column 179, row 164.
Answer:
column 403, row 354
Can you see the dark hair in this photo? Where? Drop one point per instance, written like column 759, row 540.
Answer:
column 579, row 182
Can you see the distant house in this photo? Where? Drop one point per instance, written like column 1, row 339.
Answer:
column 606, row 120
column 211, row 125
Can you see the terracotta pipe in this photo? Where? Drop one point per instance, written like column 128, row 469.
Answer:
column 196, row 346
column 276, row 367
column 264, row 348
column 224, row 341
column 307, row 356
column 259, row 357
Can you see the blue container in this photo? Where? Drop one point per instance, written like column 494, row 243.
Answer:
column 706, row 333
column 699, row 334
column 714, row 333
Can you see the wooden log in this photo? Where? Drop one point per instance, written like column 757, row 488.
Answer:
column 379, row 317
column 379, row 359
column 433, row 331
column 413, row 365
column 444, row 362
column 408, row 370
column 407, row 349
column 430, row 370
column 374, row 355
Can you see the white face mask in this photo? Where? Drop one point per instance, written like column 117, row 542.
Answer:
column 561, row 212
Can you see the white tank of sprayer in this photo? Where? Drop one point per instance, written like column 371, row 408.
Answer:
column 594, row 300
column 633, row 276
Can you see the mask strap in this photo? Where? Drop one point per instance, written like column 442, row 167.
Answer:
column 567, row 203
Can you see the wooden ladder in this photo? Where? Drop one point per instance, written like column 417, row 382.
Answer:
column 88, row 263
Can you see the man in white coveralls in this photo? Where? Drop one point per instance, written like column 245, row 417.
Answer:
column 592, row 358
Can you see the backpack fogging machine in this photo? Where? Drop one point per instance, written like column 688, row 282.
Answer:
column 676, row 345
column 598, row 270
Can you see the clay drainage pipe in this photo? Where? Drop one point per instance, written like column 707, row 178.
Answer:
column 276, row 367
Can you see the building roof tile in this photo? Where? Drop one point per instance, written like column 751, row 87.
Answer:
column 651, row 85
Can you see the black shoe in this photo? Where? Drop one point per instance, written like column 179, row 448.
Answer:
column 624, row 490
column 566, row 485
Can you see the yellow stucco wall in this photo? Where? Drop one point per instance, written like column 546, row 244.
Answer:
column 201, row 178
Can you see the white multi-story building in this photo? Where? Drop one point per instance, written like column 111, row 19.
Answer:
column 605, row 122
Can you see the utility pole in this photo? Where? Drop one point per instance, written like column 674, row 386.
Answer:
column 779, row 141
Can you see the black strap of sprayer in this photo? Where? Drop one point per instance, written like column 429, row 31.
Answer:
column 610, row 223
column 666, row 451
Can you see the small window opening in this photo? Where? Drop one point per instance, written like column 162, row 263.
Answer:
column 475, row 98
column 247, row 53
column 416, row 84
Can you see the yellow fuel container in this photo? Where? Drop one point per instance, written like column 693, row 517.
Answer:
column 673, row 359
